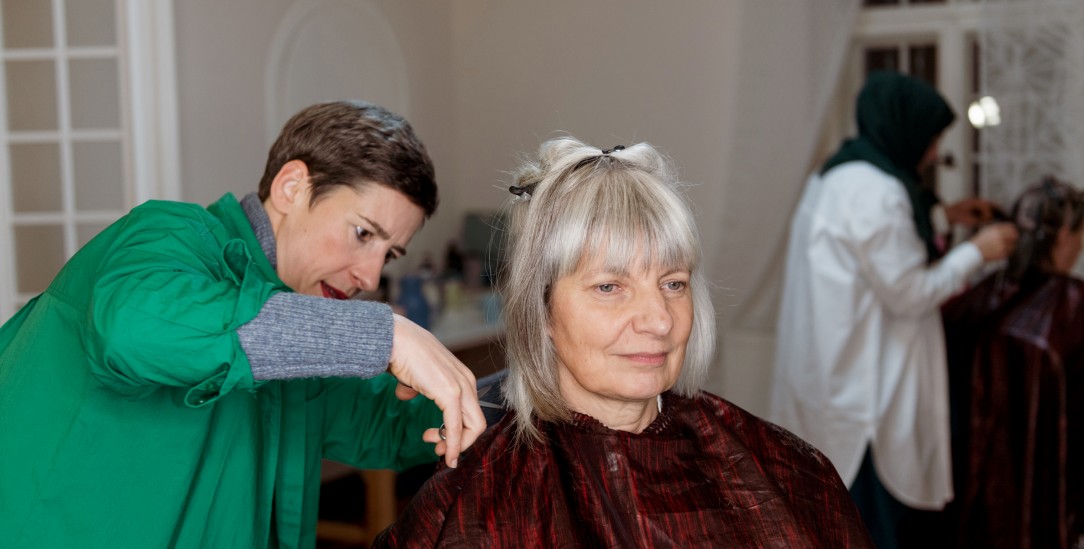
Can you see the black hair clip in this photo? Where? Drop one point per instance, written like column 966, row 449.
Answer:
column 593, row 159
column 520, row 191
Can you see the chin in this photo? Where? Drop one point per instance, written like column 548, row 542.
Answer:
column 645, row 392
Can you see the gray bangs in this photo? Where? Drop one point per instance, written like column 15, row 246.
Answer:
column 627, row 219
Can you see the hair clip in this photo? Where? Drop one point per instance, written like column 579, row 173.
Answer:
column 524, row 190
column 593, row 159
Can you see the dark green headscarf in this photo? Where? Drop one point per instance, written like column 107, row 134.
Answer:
column 898, row 117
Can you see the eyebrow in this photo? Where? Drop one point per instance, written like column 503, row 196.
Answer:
column 383, row 234
column 625, row 271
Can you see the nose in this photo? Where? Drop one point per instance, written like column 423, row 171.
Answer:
column 652, row 315
column 366, row 271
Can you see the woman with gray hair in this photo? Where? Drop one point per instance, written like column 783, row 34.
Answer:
column 610, row 440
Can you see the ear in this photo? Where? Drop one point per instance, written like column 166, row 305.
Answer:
column 290, row 187
column 1060, row 253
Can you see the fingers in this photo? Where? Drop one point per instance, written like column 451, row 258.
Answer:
column 405, row 392
column 996, row 241
column 460, row 429
column 432, row 436
column 453, row 434
column 421, row 362
column 463, row 422
column 1010, row 234
column 1007, row 234
column 971, row 212
column 474, row 421
column 981, row 212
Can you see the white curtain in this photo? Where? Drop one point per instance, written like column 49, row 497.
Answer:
column 1033, row 65
column 774, row 153
column 770, row 161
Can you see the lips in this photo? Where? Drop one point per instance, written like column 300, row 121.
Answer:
column 332, row 293
column 647, row 359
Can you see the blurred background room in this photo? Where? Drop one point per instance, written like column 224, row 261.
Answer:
column 105, row 104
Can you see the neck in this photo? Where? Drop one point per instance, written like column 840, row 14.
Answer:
column 620, row 415
column 263, row 225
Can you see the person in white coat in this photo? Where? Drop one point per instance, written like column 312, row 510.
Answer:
column 860, row 369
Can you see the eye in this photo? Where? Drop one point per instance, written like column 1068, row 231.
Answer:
column 606, row 288
column 389, row 257
column 676, row 285
column 363, row 234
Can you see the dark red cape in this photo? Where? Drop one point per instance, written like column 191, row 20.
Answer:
column 705, row 473
column 1015, row 362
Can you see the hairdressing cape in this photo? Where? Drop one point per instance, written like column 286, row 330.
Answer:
column 705, row 473
column 1016, row 356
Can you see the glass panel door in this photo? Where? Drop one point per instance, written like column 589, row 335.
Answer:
column 64, row 136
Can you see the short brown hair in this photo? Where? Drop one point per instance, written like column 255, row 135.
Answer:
column 354, row 143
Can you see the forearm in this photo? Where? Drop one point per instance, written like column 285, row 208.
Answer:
column 919, row 289
column 296, row 336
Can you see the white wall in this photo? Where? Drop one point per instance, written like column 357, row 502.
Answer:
column 221, row 47
column 488, row 81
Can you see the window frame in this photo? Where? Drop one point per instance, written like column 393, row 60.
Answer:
column 148, row 132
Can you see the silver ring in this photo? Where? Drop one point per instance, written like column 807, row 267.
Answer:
column 441, row 432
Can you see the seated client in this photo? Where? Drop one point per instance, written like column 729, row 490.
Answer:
column 610, row 441
column 1016, row 362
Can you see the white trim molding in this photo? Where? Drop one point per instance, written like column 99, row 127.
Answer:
column 152, row 99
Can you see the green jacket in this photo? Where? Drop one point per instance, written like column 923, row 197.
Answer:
column 128, row 412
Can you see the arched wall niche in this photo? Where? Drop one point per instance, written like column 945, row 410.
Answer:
column 327, row 50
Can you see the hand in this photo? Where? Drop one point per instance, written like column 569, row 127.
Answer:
column 971, row 212
column 423, row 365
column 996, row 241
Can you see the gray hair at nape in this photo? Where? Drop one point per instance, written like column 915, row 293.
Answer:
column 576, row 201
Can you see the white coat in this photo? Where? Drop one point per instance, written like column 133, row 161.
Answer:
column 860, row 349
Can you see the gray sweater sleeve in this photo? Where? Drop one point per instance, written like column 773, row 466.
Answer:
column 296, row 335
